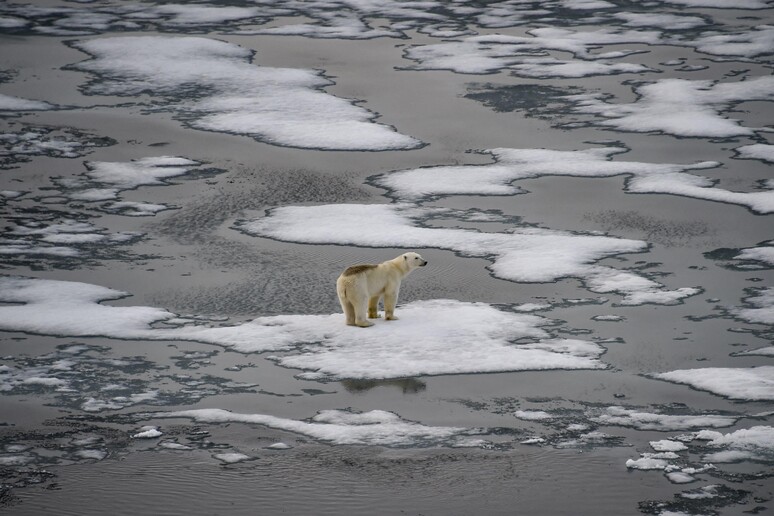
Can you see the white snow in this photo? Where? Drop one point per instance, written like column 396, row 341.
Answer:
column 647, row 462
column 760, row 307
column 738, row 383
column 523, row 254
column 432, row 337
column 142, row 172
column 224, row 91
column 763, row 254
column 374, row 428
column 533, row 415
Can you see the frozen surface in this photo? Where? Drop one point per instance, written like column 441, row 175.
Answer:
column 223, row 91
column 621, row 416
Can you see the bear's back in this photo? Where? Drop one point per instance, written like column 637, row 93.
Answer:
column 357, row 269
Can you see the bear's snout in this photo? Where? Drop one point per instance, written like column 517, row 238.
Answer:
column 423, row 263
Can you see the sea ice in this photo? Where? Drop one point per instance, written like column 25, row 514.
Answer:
column 737, row 383
column 213, row 85
column 449, row 330
column 679, row 107
column 759, row 307
column 756, row 443
column 10, row 103
column 759, row 151
column 621, row 416
column 524, row 254
column 665, row 445
column 512, row 165
column 374, row 428
column 147, row 432
column 232, row 458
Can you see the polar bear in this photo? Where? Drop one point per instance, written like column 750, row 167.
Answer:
column 359, row 288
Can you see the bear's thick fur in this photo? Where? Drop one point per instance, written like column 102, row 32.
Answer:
column 361, row 286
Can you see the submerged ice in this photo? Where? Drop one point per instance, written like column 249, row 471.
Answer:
column 213, row 85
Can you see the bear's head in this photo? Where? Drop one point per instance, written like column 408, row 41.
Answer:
column 414, row 260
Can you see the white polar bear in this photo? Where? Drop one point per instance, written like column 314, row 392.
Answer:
column 360, row 287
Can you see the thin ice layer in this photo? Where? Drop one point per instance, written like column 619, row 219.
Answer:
column 374, row 428
column 431, row 338
column 523, row 254
column 213, row 85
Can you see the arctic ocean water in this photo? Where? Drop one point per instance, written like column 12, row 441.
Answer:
column 590, row 180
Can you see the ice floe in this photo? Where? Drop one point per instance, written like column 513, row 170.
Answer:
column 756, row 443
column 761, row 151
column 679, row 107
column 213, row 85
column 512, row 165
column 759, row 307
column 429, row 339
column 523, row 254
column 738, row 383
column 60, row 142
column 374, row 428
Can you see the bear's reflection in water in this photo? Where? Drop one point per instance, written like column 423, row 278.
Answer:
column 407, row 385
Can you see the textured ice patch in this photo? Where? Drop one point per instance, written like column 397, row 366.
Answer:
column 621, row 416
column 522, row 254
column 212, row 85
column 680, row 107
column 749, row 44
column 374, row 428
column 10, row 103
column 527, row 55
column 147, row 432
column 660, row 20
column 432, row 337
column 737, row 383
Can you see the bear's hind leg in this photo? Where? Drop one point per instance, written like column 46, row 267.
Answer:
column 360, row 315
column 349, row 312
column 373, row 308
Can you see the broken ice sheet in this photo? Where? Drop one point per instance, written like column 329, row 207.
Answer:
column 213, row 85
column 737, row 383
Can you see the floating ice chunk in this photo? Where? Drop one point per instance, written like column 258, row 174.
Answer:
column 91, row 454
column 9, row 103
column 738, row 383
column 10, row 22
column 232, row 458
column 374, row 428
column 759, row 151
column 621, row 416
column 171, row 445
column 279, row 446
column 756, row 443
column 678, row 477
column 533, row 415
column 758, row 254
column 647, row 463
column 533, row 440
column 665, row 445
column 213, row 86
column 522, row 254
column 680, row 107
column 198, row 15
column 608, row 318
column 767, row 351
column 148, row 432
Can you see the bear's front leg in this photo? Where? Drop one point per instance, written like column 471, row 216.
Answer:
column 390, row 298
column 373, row 312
